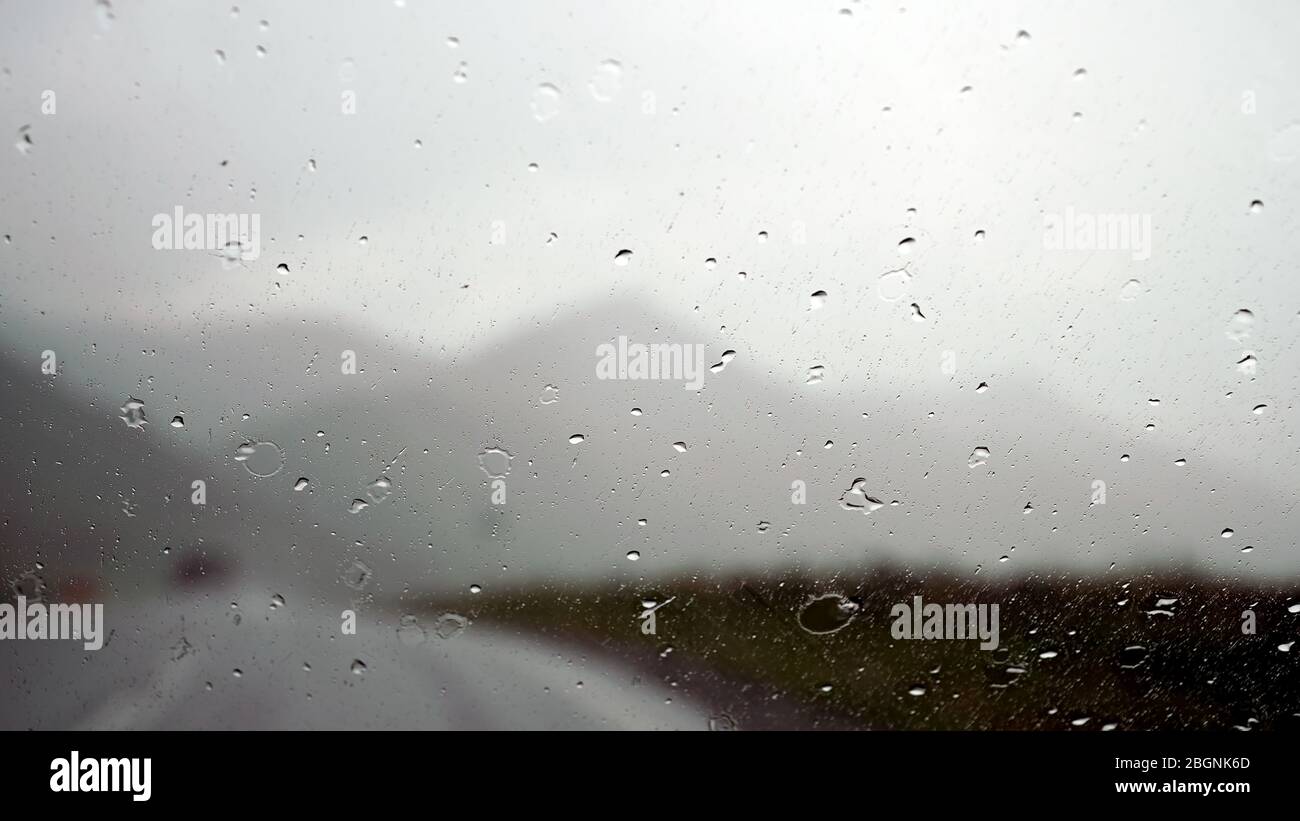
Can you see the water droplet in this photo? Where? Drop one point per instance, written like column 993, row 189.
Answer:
column 633, row 555
column 917, row 316
column 722, row 723
column 1256, row 206
column 857, row 498
column 979, row 236
column 1049, row 654
column 104, row 14
column 409, row 631
column 907, row 246
column 550, row 395
column 1130, row 291
column 461, row 74
column 133, row 414
column 763, row 526
column 577, row 439
column 636, row 411
column 1240, row 326
column 917, row 691
column 358, row 667
column 221, row 57
column 817, row 301
column 357, row 576
column 829, row 613
column 710, row 263
column 727, row 356
column 680, row 447
column 260, row 459
column 358, row 505
column 1227, row 533
column 453, row 42
column 450, row 625
column 815, row 374
column 379, row 490
column 301, row 484
column 1132, row 656
column 178, row 422
column 495, row 462
column 623, row 257
column 546, row 102
column 607, row 81
column 282, row 268
column 1258, row 410
column 978, row 457
column 475, row 589
column 1080, row 73
column 893, row 285
column 982, row 387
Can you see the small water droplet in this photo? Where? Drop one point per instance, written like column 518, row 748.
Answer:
column 817, row 301
column 577, row 439
column 178, row 422
column 358, row 667
column 1130, row 291
column 301, row 484
column 633, row 555
column 623, row 257
column 978, row 457
column 680, row 447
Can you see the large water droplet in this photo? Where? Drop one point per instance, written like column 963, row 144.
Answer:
column 133, row 414
column 450, row 625
column 827, row 614
column 607, row 81
column 260, row 459
column 892, row 285
column 495, row 462
column 357, row 576
column 1240, row 325
column 409, row 631
column 978, row 457
column 546, row 102
column 857, row 498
